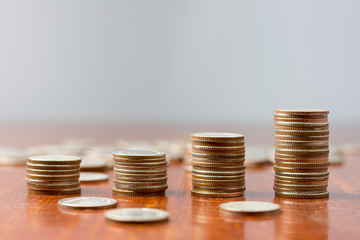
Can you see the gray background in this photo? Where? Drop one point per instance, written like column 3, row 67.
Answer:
column 177, row 61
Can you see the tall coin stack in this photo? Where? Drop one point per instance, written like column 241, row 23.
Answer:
column 140, row 173
column 218, row 164
column 301, row 153
column 53, row 175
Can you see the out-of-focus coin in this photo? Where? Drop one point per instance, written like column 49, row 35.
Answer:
column 87, row 203
column 250, row 207
column 12, row 156
column 93, row 177
column 136, row 215
column 93, row 165
column 54, row 159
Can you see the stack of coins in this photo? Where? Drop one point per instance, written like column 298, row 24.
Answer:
column 53, row 175
column 140, row 173
column 218, row 164
column 301, row 153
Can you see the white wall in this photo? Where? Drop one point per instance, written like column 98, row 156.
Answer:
column 177, row 60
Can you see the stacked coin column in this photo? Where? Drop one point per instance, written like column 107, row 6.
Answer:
column 218, row 168
column 140, row 173
column 53, row 175
column 301, row 153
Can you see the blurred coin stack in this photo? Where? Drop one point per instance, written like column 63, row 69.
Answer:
column 218, row 168
column 187, row 157
column 140, row 173
column 53, row 175
column 301, row 153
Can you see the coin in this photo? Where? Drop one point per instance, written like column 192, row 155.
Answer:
column 87, row 203
column 217, row 194
column 302, row 195
column 142, row 154
column 12, row 156
column 56, row 192
column 135, row 193
column 136, row 215
column 217, row 137
column 52, row 167
column 250, row 207
column 93, row 165
column 54, row 159
column 93, row 177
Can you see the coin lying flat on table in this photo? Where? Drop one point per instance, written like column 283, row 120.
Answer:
column 87, row 203
column 250, row 208
column 93, row 177
column 136, row 215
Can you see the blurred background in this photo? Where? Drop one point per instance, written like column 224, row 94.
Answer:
column 211, row 65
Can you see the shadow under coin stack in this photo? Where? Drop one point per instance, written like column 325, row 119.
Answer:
column 301, row 153
column 218, row 164
column 53, row 175
column 140, row 173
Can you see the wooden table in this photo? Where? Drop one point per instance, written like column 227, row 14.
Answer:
column 29, row 216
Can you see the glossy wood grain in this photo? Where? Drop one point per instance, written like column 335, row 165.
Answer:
column 29, row 216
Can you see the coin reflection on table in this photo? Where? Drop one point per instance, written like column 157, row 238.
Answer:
column 313, row 214
column 205, row 211
column 158, row 202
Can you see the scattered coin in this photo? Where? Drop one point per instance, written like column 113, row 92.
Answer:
column 12, row 156
column 93, row 177
column 250, row 207
column 87, row 203
column 136, row 215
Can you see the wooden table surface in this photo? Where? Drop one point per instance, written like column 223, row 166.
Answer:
column 29, row 216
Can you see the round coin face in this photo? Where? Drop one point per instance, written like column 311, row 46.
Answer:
column 250, row 207
column 93, row 177
column 87, row 203
column 136, row 215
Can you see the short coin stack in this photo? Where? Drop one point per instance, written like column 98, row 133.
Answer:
column 301, row 153
column 140, row 173
column 218, row 164
column 53, row 175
